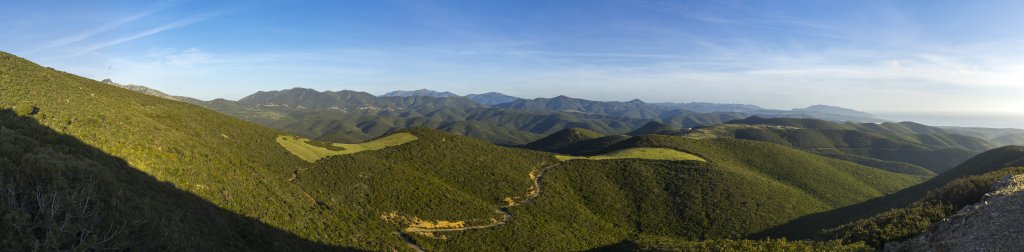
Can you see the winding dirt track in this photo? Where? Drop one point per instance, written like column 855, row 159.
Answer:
column 506, row 216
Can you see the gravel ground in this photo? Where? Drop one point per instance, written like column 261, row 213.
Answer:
column 994, row 224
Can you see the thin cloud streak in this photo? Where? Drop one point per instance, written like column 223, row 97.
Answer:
column 104, row 28
column 146, row 33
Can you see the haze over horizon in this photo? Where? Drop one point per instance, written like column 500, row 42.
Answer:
column 882, row 57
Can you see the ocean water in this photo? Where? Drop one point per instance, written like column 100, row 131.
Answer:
column 958, row 119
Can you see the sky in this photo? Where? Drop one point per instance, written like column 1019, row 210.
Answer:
column 895, row 57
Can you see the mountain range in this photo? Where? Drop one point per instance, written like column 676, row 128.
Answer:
column 352, row 116
column 490, row 98
column 421, row 92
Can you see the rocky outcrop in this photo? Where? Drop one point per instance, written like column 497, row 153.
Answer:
column 994, row 224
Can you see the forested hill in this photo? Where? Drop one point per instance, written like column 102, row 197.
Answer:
column 62, row 194
column 197, row 177
column 905, row 146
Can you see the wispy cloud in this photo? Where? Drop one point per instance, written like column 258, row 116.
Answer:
column 177, row 24
column 103, row 28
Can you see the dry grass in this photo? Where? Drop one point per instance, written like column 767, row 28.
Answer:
column 312, row 153
column 639, row 153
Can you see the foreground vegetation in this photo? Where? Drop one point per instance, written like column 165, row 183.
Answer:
column 59, row 194
column 909, row 211
column 232, row 165
column 661, row 243
column 902, row 223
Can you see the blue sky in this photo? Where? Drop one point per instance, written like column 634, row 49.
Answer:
column 878, row 56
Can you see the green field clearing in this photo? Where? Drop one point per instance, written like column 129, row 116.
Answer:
column 639, row 153
column 303, row 148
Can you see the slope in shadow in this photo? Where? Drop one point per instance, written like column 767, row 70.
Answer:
column 810, row 226
column 58, row 193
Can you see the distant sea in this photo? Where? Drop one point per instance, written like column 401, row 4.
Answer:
column 956, row 119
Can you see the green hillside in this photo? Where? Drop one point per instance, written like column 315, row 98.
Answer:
column 655, row 128
column 563, row 139
column 606, row 201
column 915, row 207
column 1000, row 137
column 883, row 146
column 60, row 194
column 916, row 133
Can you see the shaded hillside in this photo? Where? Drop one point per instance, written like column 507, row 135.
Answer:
column 562, row 139
column 654, row 127
column 956, row 194
column 922, row 215
column 62, row 194
column 991, row 224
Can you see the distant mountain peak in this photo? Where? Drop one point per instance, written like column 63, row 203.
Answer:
column 492, row 98
column 834, row 110
column 420, row 92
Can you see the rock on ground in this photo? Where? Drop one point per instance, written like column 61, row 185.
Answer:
column 994, row 224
